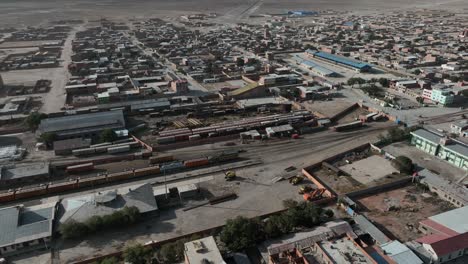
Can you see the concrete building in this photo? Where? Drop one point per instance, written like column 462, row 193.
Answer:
column 439, row 96
column 84, row 126
column 180, row 86
column 446, row 235
column 453, row 151
column 460, row 128
column 455, row 193
column 202, row 251
column 25, row 228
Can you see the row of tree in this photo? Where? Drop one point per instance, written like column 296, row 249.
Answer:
column 384, row 82
column 240, row 233
column 124, row 217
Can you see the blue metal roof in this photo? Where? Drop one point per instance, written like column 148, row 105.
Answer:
column 342, row 60
column 315, row 66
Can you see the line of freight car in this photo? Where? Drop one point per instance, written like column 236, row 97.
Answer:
column 80, row 168
column 160, row 159
column 174, row 131
column 188, row 132
column 196, row 163
column 348, row 126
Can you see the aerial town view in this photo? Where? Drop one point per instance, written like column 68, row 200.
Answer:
column 234, row 132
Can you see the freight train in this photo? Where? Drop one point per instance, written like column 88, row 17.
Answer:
column 161, row 164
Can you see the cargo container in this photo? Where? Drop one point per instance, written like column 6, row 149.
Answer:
column 165, row 140
column 161, row 159
column 119, row 149
column 196, row 163
column 80, row 168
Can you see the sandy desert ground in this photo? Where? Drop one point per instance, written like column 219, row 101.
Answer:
column 33, row 12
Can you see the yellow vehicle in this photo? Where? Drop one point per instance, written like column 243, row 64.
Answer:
column 305, row 189
column 229, row 175
column 296, row 180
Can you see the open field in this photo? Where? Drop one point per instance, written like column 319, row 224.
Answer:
column 29, row 12
column 399, row 211
column 369, row 169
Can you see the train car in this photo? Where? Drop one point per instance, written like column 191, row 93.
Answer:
column 173, row 166
column 120, row 175
column 196, row 163
column 161, row 159
column 147, row 171
column 166, row 140
column 80, row 168
column 348, row 126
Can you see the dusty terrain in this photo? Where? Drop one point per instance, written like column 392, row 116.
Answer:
column 410, row 207
column 30, row 12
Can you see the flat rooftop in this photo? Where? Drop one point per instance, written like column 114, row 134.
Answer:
column 198, row 251
column 343, row 250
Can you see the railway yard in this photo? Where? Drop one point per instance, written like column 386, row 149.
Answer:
column 191, row 120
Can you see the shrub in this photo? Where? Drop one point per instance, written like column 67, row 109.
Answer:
column 403, row 164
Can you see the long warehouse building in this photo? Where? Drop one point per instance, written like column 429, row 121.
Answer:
column 340, row 60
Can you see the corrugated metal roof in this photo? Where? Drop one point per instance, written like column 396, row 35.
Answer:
column 455, row 219
column 342, row 60
column 371, row 229
column 73, row 122
column 21, row 224
column 400, row 253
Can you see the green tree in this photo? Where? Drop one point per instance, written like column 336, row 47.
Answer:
column 169, row 253
column 403, row 164
column 384, row 82
column 111, row 260
column 48, row 138
column 240, row 233
column 278, row 225
column 417, row 71
column 34, row 119
column 137, row 254
column 94, row 223
column 108, row 135
column 290, row 203
column 73, row 229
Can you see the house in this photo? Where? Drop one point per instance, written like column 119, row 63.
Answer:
column 446, row 235
column 83, row 125
column 202, row 250
column 459, row 128
column 25, row 228
column 455, row 193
